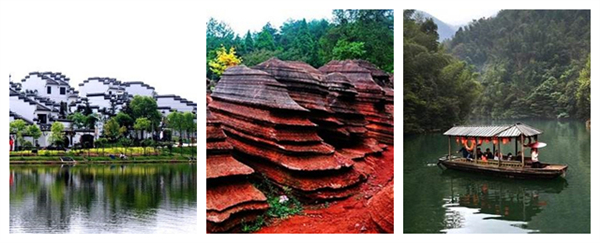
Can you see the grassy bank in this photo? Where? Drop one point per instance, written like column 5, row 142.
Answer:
column 99, row 155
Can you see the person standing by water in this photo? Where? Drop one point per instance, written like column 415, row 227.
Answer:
column 534, row 158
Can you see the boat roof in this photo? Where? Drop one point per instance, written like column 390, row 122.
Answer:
column 514, row 130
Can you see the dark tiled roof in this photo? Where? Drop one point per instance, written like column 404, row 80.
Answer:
column 17, row 116
column 514, row 130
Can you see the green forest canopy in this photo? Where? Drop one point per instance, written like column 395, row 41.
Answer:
column 519, row 64
column 439, row 89
column 351, row 34
column 530, row 62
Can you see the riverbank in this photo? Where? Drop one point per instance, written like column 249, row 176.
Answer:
column 24, row 160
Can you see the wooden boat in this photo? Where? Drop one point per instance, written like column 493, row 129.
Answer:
column 523, row 168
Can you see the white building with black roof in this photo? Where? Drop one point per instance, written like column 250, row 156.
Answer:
column 42, row 98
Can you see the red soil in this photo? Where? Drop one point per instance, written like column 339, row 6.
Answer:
column 350, row 215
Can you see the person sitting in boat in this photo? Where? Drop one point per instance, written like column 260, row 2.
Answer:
column 479, row 153
column 509, row 156
column 497, row 155
column 519, row 156
column 465, row 152
column 488, row 153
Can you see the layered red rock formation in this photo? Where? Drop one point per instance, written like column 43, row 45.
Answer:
column 272, row 134
column 305, row 86
column 342, row 101
column 371, row 98
column 229, row 197
column 381, row 208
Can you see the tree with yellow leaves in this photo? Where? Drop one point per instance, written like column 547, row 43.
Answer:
column 223, row 60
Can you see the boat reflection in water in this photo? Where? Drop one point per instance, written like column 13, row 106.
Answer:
column 494, row 205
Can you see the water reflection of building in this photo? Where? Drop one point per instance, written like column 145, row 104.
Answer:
column 98, row 198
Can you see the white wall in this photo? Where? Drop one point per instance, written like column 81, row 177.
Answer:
column 99, row 101
column 93, row 86
column 174, row 104
column 138, row 89
column 23, row 108
column 35, row 82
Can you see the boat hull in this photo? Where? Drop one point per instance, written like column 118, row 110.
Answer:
column 549, row 172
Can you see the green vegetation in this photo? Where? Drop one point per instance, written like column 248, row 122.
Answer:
column 283, row 208
column 532, row 63
column 519, row 64
column 223, row 60
column 365, row 34
column 136, row 154
column 57, row 136
column 282, row 204
column 439, row 90
column 21, row 129
column 253, row 226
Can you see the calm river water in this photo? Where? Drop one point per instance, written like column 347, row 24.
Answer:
column 437, row 201
column 140, row 198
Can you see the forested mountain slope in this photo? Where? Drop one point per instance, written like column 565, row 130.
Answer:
column 533, row 63
column 439, row 89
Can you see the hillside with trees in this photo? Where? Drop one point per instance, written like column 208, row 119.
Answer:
column 439, row 89
column 533, row 63
column 351, row 34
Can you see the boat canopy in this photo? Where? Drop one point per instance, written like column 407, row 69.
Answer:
column 504, row 131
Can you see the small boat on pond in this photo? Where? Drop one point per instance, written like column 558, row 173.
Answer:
column 518, row 166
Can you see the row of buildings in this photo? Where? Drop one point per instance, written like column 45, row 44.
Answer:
column 42, row 98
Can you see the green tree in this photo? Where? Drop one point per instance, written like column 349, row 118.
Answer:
column 584, row 92
column 57, row 134
column 145, row 107
column 176, row 121
column 374, row 28
column 34, row 131
column 78, row 120
column 265, row 39
column 217, row 34
column 529, row 61
column 189, row 124
column 19, row 128
column 142, row 124
column 248, row 43
column 111, row 129
column 439, row 90
column 348, row 50
column 123, row 119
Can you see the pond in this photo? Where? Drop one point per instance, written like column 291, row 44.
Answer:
column 438, row 201
column 132, row 198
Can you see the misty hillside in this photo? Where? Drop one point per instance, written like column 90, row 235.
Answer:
column 445, row 31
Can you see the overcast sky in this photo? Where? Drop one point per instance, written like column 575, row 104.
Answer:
column 158, row 43
column 241, row 20
column 459, row 16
